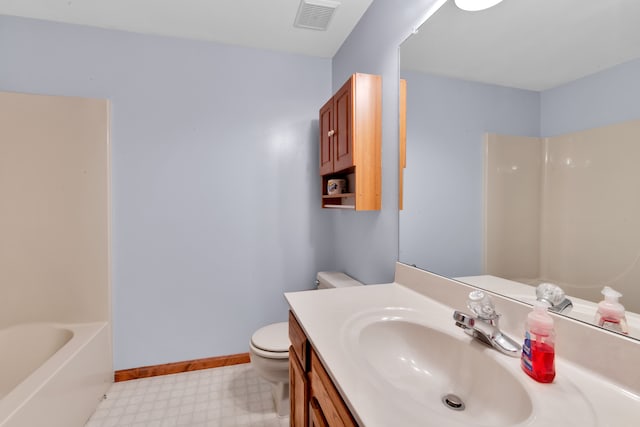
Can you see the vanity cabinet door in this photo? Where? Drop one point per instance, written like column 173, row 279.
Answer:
column 299, row 342
column 316, row 417
column 298, row 382
column 298, row 391
column 326, row 407
column 314, row 399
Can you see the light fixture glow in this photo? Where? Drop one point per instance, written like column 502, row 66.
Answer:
column 475, row 5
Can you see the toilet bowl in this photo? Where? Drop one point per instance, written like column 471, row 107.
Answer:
column 269, row 354
column 269, row 346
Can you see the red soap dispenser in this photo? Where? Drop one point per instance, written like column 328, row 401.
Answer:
column 538, row 350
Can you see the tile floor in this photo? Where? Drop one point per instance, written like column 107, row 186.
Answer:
column 220, row 397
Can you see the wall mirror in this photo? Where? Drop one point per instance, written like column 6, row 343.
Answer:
column 523, row 150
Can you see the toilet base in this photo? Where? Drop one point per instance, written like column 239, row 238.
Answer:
column 280, row 393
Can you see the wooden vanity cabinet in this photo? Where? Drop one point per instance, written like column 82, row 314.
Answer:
column 298, row 392
column 315, row 401
column 298, row 366
column 326, row 407
column 350, row 143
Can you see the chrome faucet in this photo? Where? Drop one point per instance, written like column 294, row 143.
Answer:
column 554, row 296
column 563, row 306
column 484, row 326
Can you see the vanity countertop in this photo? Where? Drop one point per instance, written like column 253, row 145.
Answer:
column 576, row 397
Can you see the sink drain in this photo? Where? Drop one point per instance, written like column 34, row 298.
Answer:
column 452, row 401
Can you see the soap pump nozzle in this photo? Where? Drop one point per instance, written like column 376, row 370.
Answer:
column 611, row 294
column 610, row 314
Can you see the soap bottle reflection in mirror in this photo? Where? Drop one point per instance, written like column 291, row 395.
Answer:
column 610, row 314
column 538, row 350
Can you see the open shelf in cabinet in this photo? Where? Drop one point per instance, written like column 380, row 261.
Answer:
column 341, row 200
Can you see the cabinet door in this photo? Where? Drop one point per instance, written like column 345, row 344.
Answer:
column 316, row 417
column 325, row 404
column 298, row 390
column 343, row 137
column 327, row 130
column 299, row 342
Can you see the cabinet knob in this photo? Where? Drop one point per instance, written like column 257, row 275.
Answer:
column 331, row 133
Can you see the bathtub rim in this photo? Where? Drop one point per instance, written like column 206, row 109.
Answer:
column 83, row 334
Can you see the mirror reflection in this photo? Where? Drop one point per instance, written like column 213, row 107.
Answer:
column 522, row 152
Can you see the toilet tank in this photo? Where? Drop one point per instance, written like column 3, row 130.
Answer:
column 334, row 279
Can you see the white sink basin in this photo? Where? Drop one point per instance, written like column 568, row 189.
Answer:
column 393, row 353
column 423, row 365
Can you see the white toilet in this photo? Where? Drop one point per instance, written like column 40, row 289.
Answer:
column 269, row 346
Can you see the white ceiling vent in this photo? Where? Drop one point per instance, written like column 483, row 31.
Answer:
column 315, row 14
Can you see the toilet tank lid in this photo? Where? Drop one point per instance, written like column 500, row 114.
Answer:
column 274, row 337
column 335, row 279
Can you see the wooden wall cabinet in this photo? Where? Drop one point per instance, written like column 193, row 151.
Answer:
column 315, row 401
column 350, row 143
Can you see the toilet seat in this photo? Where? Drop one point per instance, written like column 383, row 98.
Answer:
column 272, row 341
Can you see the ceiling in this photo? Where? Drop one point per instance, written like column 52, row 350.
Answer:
column 264, row 24
column 527, row 44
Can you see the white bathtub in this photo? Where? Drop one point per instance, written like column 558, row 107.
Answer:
column 53, row 375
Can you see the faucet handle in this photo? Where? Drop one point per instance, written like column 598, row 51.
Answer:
column 482, row 306
column 550, row 293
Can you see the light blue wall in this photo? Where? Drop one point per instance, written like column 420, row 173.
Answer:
column 600, row 99
column 441, row 226
column 366, row 243
column 215, row 187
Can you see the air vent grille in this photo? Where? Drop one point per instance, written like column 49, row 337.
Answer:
column 315, row 14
